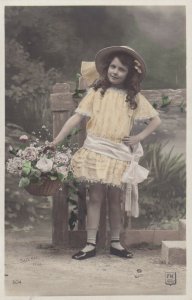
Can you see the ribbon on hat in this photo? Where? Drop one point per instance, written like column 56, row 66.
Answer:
column 89, row 74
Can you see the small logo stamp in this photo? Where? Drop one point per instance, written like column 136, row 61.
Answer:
column 170, row 278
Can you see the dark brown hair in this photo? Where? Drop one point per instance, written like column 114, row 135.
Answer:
column 131, row 83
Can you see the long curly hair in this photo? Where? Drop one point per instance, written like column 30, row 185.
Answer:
column 131, row 84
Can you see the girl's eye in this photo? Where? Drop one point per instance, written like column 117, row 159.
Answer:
column 122, row 69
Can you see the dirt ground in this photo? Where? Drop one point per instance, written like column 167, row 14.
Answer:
column 34, row 271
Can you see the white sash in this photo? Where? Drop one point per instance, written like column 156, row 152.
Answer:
column 134, row 173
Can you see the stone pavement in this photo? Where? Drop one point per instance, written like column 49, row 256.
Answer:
column 31, row 271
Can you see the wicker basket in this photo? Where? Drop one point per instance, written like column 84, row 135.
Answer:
column 47, row 188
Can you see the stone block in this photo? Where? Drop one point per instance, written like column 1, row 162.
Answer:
column 151, row 236
column 173, row 252
column 182, row 229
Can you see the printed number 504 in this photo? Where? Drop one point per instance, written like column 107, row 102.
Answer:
column 16, row 281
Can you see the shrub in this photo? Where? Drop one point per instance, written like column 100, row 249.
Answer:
column 162, row 195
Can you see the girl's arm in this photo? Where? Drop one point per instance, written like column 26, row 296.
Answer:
column 154, row 123
column 68, row 126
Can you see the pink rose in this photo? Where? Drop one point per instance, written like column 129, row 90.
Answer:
column 30, row 153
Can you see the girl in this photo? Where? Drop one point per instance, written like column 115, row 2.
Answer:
column 109, row 156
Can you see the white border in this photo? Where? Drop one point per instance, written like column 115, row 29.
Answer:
column 188, row 5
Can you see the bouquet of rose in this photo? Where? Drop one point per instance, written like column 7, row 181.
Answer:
column 38, row 166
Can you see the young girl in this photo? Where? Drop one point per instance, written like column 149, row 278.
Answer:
column 109, row 156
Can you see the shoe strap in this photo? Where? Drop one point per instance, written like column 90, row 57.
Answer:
column 115, row 241
column 88, row 243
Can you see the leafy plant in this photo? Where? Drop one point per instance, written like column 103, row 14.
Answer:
column 163, row 193
column 155, row 105
column 182, row 106
column 165, row 101
column 79, row 93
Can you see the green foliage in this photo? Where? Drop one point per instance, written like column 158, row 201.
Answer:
column 78, row 94
column 35, row 174
column 61, row 177
column 73, row 219
column 26, row 168
column 182, row 106
column 165, row 101
column 73, row 203
column 23, row 182
column 28, row 85
column 155, row 105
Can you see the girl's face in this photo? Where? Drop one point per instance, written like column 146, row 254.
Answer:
column 117, row 72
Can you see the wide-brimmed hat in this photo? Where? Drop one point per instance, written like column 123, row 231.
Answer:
column 105, row 52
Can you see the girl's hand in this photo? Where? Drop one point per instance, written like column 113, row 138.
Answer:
column 131, row 140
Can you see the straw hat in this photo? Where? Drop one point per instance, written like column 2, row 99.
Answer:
column 103, row 53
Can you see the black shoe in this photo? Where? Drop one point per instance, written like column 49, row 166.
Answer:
column 121, row 253
column 83, row 255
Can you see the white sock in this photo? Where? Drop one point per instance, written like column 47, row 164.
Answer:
column 117, row 245
column 91, row 238
column 88, row 248
column 115, row 234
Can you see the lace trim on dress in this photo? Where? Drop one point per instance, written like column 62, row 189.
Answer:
column 83, row 113
column 146, row 117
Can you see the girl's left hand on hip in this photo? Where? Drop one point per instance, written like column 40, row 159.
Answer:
column 131, row 140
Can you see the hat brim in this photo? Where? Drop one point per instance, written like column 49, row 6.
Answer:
column 103, row 53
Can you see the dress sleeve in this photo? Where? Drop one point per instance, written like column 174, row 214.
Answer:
column 85, row 106
column 144, row 109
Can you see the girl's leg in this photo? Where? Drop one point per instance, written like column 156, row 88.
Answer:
column 114, row 206
column 96, row 196
column 115, row 223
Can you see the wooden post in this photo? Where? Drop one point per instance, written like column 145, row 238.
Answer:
column 61, row 105
column 82, row 189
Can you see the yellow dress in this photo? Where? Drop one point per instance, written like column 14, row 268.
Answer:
column 110, row 117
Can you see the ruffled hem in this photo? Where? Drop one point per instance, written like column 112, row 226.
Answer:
column 92, row 181
column 93, row 167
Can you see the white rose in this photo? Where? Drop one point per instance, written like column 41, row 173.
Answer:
column 44, row 165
